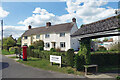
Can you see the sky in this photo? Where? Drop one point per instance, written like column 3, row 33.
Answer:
column 17, row 15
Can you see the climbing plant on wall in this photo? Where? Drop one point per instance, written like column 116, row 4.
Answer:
column 85, row 47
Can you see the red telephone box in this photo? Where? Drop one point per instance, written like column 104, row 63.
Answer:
column 24, row 53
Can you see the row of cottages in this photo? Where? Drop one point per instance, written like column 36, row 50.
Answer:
column 54, row 36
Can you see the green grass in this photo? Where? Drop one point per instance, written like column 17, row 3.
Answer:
column 45, row 64
column 5, row 52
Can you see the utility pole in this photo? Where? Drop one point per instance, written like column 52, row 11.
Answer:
column 1, row 34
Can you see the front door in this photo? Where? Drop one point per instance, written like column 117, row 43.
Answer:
column 53, row 44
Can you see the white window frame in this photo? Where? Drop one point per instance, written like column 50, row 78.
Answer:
column 47, row 35
column 25, row 37
column 62, row 43
column 62, row 34
column 47, row 45
column 38, row 36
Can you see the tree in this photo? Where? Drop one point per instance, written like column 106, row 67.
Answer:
column 8, row 42
column 19, row 41
column 105, row 40
column 70, row 57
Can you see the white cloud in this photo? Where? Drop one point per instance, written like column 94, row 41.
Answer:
column 86, row 10
column 3, row 13
column 16, row 31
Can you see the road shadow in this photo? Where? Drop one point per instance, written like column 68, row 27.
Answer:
column 3, row 65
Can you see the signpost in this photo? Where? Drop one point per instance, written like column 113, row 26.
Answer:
column 55, row 59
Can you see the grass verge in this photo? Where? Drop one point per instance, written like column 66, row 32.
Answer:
column 45, row 64
column 5, row 52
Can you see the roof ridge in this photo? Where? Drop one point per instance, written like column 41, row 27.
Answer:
column 51, row 25
column 100, row 20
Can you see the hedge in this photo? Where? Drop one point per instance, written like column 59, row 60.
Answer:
column 105, row 59
column 46, row 54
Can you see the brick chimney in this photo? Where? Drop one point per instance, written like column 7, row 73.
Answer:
column 74, row 20
column 29, row 27
column 48, row 24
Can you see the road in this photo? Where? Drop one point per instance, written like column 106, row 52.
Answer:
column 12, row 69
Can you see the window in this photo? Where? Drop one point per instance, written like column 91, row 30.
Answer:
column 62, row 34
column 47, row 35
column 38, row 36
column 62, row 44
column 25, row 44
column 47, row 45
column 25, row 37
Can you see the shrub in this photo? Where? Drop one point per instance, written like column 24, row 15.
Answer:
column 38, row 43
column 70, row 57
column 46, row 55
column 41, row 48
column 17, row 50
column 31, row 47
column 58, row 49
column 70, row 71
column 79, row 62
column 52, row 50
column 12, row 50
column 118, row 77
column 107, row 59
column 102, row 48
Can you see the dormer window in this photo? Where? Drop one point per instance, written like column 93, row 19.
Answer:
column 47, row 35
column 62, row 34
column 25, row 37
column 38, row 36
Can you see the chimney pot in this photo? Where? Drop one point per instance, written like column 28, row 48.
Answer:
column 48, row 24
column 29, row 27
column 74, row 20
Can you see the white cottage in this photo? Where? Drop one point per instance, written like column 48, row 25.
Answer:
column 54, row 36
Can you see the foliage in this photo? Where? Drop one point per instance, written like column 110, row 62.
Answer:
column 17, row 50
column 31, row 47
column 70, row 71
column 52, row 50
column 40, row 48
column 8, row 42
column 58, row 49
column 38, row 43
column 105, row 40
column 46, row 55
column 96, row 40
column 85, row 49
column 105, row 59
column 102, row 48
column 79, row 62
column 70, row 57
column 19, row 41
column 115, row 47
column 118, row 77
column 12, row 50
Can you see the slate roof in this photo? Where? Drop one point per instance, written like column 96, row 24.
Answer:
column 50, row 29
column 110, row 23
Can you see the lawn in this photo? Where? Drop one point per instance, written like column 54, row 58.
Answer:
column 5, row 52
column 45, row 64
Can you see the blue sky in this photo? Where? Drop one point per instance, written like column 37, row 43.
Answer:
column 21, row 10
column 21, row 14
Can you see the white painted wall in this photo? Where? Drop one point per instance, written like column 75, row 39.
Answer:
column 74, row 43
column 55, row 37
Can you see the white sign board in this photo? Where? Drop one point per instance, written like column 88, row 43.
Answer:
column 55, row 59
